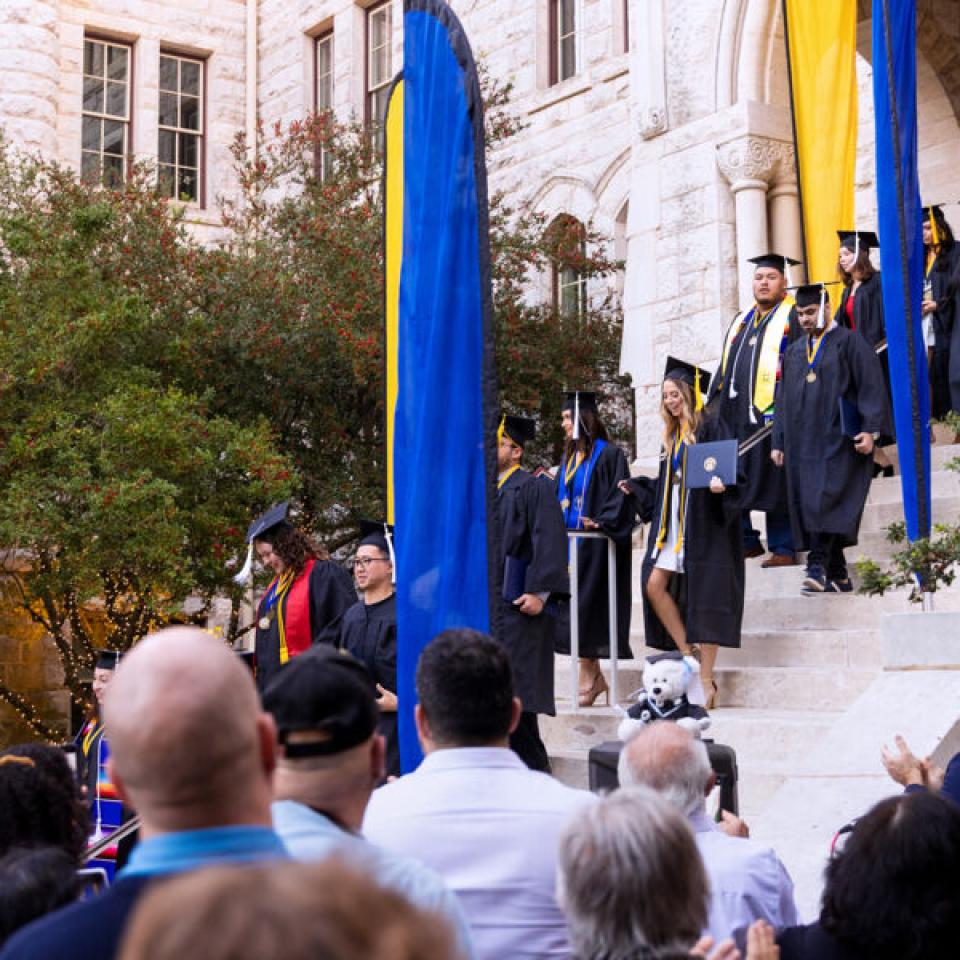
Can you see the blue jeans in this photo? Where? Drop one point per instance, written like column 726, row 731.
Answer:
column 779, row 536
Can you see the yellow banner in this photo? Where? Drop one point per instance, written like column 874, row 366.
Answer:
column 822, row 37
column 393, row 235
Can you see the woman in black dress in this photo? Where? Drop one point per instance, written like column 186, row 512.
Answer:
column 861, row 310
column 693, row 573
column 941, row 261
column 590, row 497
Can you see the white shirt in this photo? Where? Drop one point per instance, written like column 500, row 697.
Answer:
column 310, row 836
column 489, row 827
column 747, row 882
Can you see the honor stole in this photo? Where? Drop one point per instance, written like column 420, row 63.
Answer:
column 776, row 327
column 293, row 615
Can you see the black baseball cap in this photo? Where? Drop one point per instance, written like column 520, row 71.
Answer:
column 325, row 691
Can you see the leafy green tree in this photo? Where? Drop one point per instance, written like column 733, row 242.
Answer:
column 122, row 492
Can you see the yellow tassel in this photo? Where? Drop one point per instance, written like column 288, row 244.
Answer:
column 934, row 229
column 697, row 395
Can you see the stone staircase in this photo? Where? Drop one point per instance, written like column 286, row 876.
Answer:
column 802, row 663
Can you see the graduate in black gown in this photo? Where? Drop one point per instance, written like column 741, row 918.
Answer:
column 940, row 311
column 369, row 628
column 591, row 499
column 534, row 544
column 304, row 602
column 693, row 573
column 861, row 310
column 742, row 395
column 828, row 472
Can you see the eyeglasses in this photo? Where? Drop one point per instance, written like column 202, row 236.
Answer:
column 364, row 562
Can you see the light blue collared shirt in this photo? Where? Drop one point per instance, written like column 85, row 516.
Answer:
column 490, row 828
column 190, row 849
column 747, row 882
column 310, row 836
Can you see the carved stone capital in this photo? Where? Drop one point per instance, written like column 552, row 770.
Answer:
column 651, row 122
column 755, row 158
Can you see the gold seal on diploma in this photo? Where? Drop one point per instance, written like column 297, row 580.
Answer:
column 710, row 463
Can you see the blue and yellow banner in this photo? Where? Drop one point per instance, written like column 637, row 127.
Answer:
column 441, row 379
column 822, row 56
column 900, row 222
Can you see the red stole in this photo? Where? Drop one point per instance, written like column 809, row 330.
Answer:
column 296, row 633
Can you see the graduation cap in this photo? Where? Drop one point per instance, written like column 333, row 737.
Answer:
column 577, row 400
column 521, row 430
column 275, row 517
column 695, row 692
column 379, row 534
column 682, row 372
column 107, row 659
column 857, row 240
column 776, row 261
column 809, row 293
column 938, row 222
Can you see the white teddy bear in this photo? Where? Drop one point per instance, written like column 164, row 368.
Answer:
column 671, row 691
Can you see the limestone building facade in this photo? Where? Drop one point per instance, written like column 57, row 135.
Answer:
column 665, row 123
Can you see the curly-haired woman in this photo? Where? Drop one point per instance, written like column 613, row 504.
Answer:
column 306, row 599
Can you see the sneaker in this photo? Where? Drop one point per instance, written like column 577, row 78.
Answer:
column 840, row 586
column 815, row 580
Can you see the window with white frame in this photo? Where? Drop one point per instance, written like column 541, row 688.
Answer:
column 105, row 131
column 180, row 132
column 323, row 51
column 563, row 39
column 379, row 68
column 569, row 280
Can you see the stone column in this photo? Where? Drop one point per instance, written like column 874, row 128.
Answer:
column 30, row 74
column 750, row 164
column 784, row 211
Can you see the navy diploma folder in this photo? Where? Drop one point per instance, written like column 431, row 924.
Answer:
column 850, row 422
column 708, row 460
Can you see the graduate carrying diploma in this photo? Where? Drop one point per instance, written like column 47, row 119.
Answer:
column 693, row 572
column 831, row 409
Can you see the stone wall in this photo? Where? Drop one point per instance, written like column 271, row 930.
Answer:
column 30, row 665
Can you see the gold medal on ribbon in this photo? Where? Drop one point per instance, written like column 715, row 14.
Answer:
column 752, row 341
column 811, row 376
column 264, row 623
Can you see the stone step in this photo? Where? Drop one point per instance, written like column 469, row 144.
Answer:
column 770, row 744
column 943, row 483
column 940, row 454
column 879, row 516
column 791, row 688
column 760, row 648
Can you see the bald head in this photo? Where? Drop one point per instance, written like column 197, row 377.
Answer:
column 668, row 759
column 189, row 744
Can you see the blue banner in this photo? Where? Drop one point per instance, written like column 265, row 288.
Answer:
column 900, row 222
column 445, row 420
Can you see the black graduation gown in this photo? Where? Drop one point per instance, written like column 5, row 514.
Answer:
column 369, row 632
column 331, row 594
column 605, row 504
column 532, row 532
column 869, row 323
column 709, row 592
column 827, row 480
column 763, row 485
column 944, row 281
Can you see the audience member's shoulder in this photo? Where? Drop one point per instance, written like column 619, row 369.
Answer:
column 89, row 930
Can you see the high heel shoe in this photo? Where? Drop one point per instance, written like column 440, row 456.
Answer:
column 586, row 698
column 712, row 698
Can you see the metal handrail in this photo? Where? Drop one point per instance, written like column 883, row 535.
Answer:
column 124, row 830
column 576, row 535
